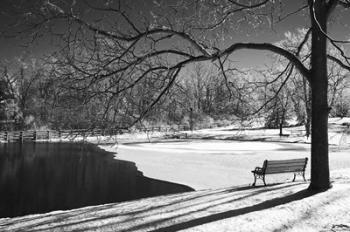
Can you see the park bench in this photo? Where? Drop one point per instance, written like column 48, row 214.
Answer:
column 296, row 166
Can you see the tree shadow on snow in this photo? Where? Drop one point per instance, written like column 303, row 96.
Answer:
column 237, row 212
column 185, row 206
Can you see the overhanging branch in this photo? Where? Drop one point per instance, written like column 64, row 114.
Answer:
column 272, row 48
column 339, row 62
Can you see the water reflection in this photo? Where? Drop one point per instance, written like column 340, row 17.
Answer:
column 42, row 177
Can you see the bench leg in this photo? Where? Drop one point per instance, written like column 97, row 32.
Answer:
column 254, row 180
column 304, row 176
column 264, row 180
column 260, row 177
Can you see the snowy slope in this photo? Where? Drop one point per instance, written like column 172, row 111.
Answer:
column 279, row 207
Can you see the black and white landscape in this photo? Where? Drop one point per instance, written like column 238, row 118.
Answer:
column 171, row 115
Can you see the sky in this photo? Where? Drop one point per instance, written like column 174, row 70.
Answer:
column 14, row 47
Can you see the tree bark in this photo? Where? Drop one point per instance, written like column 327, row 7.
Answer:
column 319, row 85
column 307, row 99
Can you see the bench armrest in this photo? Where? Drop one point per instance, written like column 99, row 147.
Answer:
column 257, row 170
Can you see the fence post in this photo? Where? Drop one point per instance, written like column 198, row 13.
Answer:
column 21, row 136
column 48, row 135
column 6, row 136
column 34, row 136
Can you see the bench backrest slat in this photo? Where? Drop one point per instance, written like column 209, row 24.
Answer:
column 287, row 161
column 285, row 165
column 282, row 166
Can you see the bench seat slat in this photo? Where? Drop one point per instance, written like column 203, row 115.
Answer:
column 282, row 171
column 285, row 166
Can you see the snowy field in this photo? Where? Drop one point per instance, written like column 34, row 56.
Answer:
column 216, row 164
column 222, row 157
column 219, row 169
column 279, row 207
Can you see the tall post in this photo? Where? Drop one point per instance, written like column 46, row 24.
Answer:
column 281, row 127
column 191, row 119
column 21, row 136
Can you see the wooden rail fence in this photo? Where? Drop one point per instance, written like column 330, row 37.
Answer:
column 39, row 135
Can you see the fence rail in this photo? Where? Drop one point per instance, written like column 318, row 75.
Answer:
column 39, row 135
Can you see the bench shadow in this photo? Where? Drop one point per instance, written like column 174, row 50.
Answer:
column 237, row 212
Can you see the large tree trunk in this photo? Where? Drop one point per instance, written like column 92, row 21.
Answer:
column 319, row 85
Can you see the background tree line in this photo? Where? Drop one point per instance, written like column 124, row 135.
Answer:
column 39, row 94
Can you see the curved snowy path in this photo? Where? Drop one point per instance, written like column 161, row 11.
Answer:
column 203, row 164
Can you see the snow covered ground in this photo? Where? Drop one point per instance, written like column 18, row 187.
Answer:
column 222, row 157
column 279, row 207
column 219, row 169
column 216, row 163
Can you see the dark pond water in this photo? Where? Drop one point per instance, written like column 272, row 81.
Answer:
column 42, row 177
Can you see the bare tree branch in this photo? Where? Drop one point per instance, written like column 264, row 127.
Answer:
column 276, row 93
column 344, row 3
column 331, row 4
column 292, row 13
column 270, row 47
column 173, row 73
column 251, row 6
column 339, row 62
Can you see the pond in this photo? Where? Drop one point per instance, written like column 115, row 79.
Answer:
column 42, row 177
